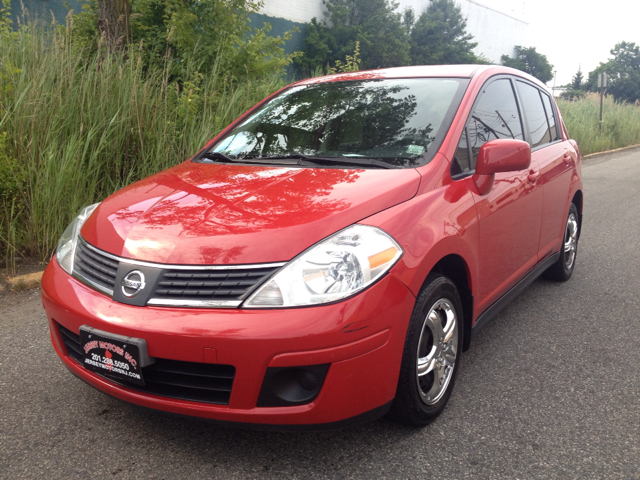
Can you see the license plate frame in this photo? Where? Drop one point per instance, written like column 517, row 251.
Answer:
column 115, row 356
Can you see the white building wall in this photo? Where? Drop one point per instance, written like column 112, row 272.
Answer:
column 301, row 11
column 496, row 32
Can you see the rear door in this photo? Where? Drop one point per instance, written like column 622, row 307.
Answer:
column 555, row 158
column 509, row 216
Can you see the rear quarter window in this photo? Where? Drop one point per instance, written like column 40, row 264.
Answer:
column 551, row 117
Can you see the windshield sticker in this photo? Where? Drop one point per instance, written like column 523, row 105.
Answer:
column 415, row 149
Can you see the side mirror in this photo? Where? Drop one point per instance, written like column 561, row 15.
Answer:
column 502, row 155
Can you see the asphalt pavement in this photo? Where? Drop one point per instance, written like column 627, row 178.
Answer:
column 550, row 389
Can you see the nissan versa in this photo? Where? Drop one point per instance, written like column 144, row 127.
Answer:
column 328, row 257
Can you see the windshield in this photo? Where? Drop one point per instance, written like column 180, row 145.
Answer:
column 400, row 122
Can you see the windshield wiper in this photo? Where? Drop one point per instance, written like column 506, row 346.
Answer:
column 284, row 156
column 322, row 160
column 303, row 160
column 222, row 157
column 218, row 156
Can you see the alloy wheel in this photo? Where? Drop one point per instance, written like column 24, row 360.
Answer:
column 437, row 351
column 570, row 241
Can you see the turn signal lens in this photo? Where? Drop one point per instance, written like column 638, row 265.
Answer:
column 383, row 257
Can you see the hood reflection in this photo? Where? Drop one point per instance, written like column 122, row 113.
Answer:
column 219, row 214
column 263, row 199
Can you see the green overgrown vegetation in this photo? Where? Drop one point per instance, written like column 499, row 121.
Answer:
column 620, row 123
column 386, row 36
column 197, row 35
column 78, row 123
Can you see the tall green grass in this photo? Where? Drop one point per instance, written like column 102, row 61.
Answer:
column 75, row 129
column 620, row 123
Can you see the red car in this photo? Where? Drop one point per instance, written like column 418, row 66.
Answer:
column 327, row 258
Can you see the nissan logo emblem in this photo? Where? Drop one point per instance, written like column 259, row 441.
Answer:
column 133, row 283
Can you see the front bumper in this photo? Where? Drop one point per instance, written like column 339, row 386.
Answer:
column 362, row 338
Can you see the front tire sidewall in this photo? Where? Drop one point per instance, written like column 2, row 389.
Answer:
column 569, row 271
column 559, row 271
column 408, row 406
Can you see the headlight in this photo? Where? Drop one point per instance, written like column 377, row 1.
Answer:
column 341, row 265
column 67, row 244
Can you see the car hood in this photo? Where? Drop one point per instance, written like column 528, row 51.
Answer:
column 232, row 214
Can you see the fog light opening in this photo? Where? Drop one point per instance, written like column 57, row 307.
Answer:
column 288, row 386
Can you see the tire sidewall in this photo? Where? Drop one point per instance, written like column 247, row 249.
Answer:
column 569, row 271
column 440, row 287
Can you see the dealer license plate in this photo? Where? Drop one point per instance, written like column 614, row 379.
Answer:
column 112, row 355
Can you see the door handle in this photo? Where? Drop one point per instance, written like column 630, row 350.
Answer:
column 567, row 158
column 533, row 176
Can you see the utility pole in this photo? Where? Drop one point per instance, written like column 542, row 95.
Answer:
column 602, row 85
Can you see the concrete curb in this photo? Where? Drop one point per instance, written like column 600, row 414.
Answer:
column 25, row 282
column 610, row 152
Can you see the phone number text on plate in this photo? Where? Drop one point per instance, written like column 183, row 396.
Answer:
column 113, row 368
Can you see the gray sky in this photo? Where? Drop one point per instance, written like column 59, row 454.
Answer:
column 572, row 33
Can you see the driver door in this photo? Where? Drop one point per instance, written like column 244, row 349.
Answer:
column 510, row 215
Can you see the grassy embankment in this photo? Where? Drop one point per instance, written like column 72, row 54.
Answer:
column 73, row 130
column 620, row 123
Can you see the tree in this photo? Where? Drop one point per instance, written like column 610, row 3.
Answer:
column 113, row 22
column 576, row 89
column 577, row 80
column 623, row 71
column 439, row 36
column 192, row 37
column 204, row 33
column 530, row 61
column 374, row 23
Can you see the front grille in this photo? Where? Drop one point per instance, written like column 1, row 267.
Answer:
column 217, row 285
column 207, row 286
column 196, row 382
column 95, row 267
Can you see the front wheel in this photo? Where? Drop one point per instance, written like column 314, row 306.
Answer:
column 563, row 268
column 431, row 355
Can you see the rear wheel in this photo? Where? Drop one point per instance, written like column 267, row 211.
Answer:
column 563, row 268
column 431, row 354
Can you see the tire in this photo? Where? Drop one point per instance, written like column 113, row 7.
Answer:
column 563, row 268
column 431, row 356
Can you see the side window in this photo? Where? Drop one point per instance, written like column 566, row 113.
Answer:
column 494, row 116
column 535, row 114
column 548, row 106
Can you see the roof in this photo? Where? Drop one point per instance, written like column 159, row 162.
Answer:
column 451, row 71
column 462, row 71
